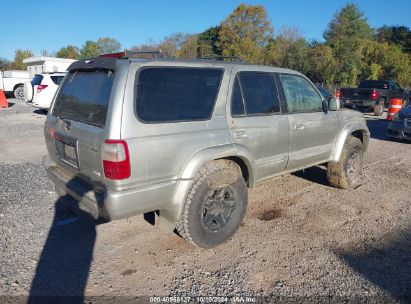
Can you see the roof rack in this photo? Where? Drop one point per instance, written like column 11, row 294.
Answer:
column 153, row 53
column 222, row 58
column 133, row 55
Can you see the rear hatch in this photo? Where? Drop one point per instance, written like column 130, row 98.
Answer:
column 77, row 124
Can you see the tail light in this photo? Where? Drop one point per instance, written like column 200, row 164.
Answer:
column 41, row 87
column 338, row 93
column 374, row 95
column 116, row 159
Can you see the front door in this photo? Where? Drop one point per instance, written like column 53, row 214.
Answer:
column 313, row 130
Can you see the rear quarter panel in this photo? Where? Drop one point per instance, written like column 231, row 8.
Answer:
column 159, row 152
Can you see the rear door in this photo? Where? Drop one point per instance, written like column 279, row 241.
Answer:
column 79, row 123
column 313, row 131
column 256, row 121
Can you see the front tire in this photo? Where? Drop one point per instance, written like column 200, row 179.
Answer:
column 347, row 171
column 215, row 205
column 19, row 93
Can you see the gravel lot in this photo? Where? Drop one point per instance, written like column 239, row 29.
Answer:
column 301, row 239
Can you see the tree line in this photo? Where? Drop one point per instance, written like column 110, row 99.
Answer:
column 351, row 51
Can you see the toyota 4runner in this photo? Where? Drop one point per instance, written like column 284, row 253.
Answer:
column 187, row 138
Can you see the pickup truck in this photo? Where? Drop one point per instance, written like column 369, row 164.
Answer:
column 12, row 82
column 373, row 94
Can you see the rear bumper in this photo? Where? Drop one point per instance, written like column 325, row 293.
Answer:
column 111, row 205
column 398, row 130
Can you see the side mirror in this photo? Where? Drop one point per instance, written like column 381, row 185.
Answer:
column 333, row 103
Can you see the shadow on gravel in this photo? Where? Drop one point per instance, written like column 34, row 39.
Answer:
column 386, row 265
column 378, row 128
column 314, row 174
column 64, row 265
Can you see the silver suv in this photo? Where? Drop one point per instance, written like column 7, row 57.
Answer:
column 187, row 138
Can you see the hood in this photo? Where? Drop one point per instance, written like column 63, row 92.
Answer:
column 405, row 112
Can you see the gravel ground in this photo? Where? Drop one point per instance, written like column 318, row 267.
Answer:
column 301, row 240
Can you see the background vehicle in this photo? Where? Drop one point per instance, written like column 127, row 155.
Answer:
column 400, row 126
column 374, row 94
column 41, row 90
column 12, row 82
column 188, row 138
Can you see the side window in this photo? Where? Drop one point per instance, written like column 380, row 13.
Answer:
column 170, row 94
column 258, row 92
column 300, row 94
column 237, row 104
column 57, row 79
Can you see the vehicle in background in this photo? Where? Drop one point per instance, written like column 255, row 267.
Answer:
column 12, row 83
column 372, row 94
column 41, row 90
column 400, row 125
column 43, row 65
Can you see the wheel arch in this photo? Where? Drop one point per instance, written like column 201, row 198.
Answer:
column 354, row 129
column 168, row 217
column 18, row 85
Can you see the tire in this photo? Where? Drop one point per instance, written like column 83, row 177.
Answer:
column 347, row 171
column 215, row 205
column 19, row 93
column 379, row 108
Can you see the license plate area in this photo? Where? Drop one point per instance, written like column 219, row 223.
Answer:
column 66, row 148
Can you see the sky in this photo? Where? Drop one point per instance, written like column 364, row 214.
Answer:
column 50, row 25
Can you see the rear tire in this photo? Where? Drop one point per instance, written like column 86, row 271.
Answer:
column 347, row 171
column 215, row 205
column 19, row 93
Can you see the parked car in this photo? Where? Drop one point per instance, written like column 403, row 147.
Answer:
column 12, row 82
column 373, row 94
column 400, row 126
column 41, row 90
column 187, row 138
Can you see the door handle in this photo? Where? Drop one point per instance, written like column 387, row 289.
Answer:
column 240, row 134
column 299, row 127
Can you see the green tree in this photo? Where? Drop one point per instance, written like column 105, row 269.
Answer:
column 245, row 32
column 19, row 56
column 347, row 34
column 208, row 42
column 322, row 65
column 400, row 35
column 5, row 64
column 90, row 49
column 70, row 52
column 108, row 45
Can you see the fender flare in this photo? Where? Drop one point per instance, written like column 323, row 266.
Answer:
column 348, row 130
column 168, row 217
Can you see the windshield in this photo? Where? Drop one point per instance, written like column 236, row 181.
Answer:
column 84, row 96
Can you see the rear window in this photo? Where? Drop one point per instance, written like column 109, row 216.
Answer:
column 369, row 84
column 57, row 79
column 84, row 97
column 170, row 94
column 37, row 79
